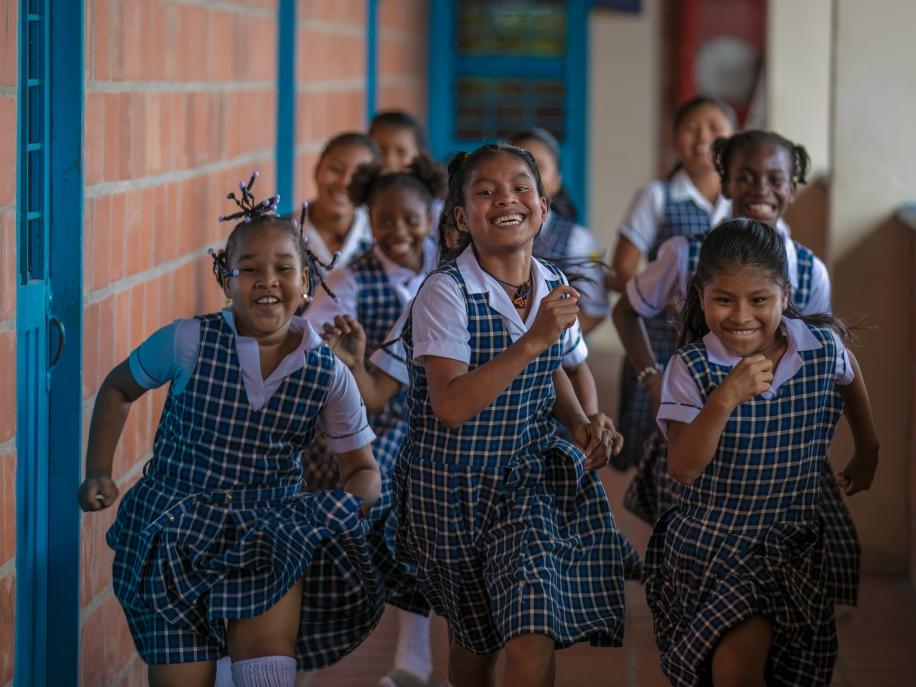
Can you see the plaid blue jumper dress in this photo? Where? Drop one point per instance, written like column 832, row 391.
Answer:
column 746, row 538
column 510, row 534
column 218, row 527
column 377, row 310
column 681, row 218
column 653, row 489
column 552, row 241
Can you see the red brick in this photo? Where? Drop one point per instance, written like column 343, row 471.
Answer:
column 99, row 40
column 8, row 269
column 101, row 233
column 9, row 36
column 7, row 150
column 7, row 385
column 112, row 136
column 117, row 242
column 7, row 625
column 105, row 643
column 92, row 329
column 94, row 143
column 95, row 554
column 7, row 505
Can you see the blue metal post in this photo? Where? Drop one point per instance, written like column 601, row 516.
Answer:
column 371, row 57
column 576, row 164
column 286, row 103
column 441, row 75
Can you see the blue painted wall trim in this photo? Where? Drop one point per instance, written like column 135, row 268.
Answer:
column 66, row 382
column 575, row 167
column 371, row 58
column 286, row 104
column 441, row 75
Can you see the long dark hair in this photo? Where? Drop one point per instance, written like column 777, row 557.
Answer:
column 741, row 243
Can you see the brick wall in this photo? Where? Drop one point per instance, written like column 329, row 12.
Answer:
column 402, row 56
column 330, row 93
column 180, row 105
column 8, row 74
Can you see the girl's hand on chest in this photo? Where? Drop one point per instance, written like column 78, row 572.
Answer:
column 750, row 377
column 558, row 311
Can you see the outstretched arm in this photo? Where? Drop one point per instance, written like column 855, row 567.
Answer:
column 112, row 405
column 860, row 470
column 635, row 340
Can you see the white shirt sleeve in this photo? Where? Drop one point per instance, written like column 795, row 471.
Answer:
column 324, row 308
column 651, row 290
column 392, row 359
column 640, row 225
column 680, row 398
column 844, row 370
column 593, row 299
column 440, row 321
column 168, row 355
column 575, row 350
column 343, row 417
column 820, row 290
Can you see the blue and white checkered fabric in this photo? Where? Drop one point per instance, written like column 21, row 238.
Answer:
column 218, row 529
column 377, row 309
column 682, row 218
column 509, row 532
column 746, row 538
column 552, row 241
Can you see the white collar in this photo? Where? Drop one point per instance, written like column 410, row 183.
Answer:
column 798, row 336
column 398, row 274
column 478, row 281
column 298, row 324
column 682, row 188
column 359, row 231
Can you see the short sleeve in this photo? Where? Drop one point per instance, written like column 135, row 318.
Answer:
column 651, row 290
column 593, row 299
column 391, row 358
column 819, row 302
column 324, row 308
column 575, row 350
column 640, row 224
column 343, row 417
column 168, row 355
column 845, row 372
column 440, row 320
column 680, row 397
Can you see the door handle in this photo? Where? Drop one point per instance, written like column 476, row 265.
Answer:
column 56, row 323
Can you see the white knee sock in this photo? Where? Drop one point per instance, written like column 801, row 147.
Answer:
column 269, row 671
column 413, row 653
column 224, row 673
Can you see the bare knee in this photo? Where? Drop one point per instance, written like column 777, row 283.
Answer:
column 530, row 660
column 273, row 633
column 195, row 674
column 467, row 669
column 740, row 657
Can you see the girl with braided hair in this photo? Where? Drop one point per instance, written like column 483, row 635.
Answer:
column 217, row 547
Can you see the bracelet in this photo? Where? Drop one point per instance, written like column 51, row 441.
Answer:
column 647, row 371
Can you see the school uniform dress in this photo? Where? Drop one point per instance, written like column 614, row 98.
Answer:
column 650, row 292
column 653, row 489
column 375, row 291
column 574, row 248
column 357, row 241
column 746, row 538
column 510, row 534
column 218, row 528
column 660, row 211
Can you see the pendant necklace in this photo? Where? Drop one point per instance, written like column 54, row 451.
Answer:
column 518, row 294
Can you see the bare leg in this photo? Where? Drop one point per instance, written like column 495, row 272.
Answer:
column 740, row 657
column 196, row 674
column 466, row 669
column 273, row 633
column 530, row 661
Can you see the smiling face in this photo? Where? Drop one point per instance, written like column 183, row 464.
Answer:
column 398, row 144
column 759, row 182
column 502, row 210
column 694, row 136
column 333, row 174
column 743, row 306
column 400, row 219
column 270, row 283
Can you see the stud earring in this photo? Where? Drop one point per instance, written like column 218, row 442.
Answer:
column 228, row 303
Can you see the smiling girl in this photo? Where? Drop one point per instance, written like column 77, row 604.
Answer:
column 509, row 525
column 738, row 570
column 217, row 549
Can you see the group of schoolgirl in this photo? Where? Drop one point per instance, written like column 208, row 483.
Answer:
column 442, row 456
column 737, row 375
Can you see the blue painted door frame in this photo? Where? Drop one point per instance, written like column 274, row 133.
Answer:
column 49, row 303
column 443, row 68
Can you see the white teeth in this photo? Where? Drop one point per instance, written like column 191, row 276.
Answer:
column 267, row 300
column 742, row 332
column 508, row 220
column 758, row 208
